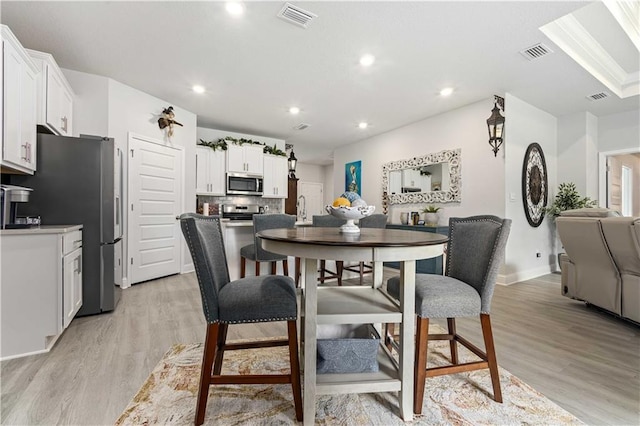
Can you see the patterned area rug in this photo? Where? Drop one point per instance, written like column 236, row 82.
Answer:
column 168, row 397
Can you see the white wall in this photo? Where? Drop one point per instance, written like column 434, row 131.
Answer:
column 619, row 131
column 109, row 108
column 465, row 128
column 310, row 173
column 577, row 141
column 524, row 125
column 329, row 189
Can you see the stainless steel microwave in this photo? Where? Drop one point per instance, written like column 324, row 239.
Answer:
column 244, row 184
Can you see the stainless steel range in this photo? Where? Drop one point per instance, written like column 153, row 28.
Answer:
column 240, row 212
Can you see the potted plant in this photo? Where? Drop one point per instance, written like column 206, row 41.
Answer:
column 568, row 198
column 431, row 215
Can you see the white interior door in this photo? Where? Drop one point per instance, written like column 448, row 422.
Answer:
column 614, row 187
column 313, row 200
column 155, row 194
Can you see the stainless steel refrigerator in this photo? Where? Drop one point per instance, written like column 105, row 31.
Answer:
column 79, row 181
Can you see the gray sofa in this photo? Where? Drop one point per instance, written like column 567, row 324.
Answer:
column 602, row 261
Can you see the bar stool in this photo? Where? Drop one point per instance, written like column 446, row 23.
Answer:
column 254, row 252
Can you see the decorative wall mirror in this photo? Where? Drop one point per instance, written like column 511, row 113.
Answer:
column 432, row 178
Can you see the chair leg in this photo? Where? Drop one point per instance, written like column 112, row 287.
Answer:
column 339, row 269
column 487, row 334
column 273, row 267
column 297, row 271
column 453, row 345
column 285, row 267
column 257, row 269
column 243, row 267
column 222, row 339
column 322, row 266
column 205, row 375
column 294, row 361
column 420, row 365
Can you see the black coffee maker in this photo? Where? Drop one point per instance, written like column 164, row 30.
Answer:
column 12, row 196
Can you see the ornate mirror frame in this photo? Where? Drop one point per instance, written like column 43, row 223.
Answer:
column 535, row 189
column 452, row 195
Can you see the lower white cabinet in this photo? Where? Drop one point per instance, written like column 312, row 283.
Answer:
column 41, row 287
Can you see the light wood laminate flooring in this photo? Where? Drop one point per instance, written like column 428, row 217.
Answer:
column 584, row 360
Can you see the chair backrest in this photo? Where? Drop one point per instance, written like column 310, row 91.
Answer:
column 475, row 252
column 327, row 221
column 262, row 222
column 377, row 220
column 204, row 239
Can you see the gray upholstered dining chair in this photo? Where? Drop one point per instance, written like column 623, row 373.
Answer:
column 475, row 253
column 377, row 220
column 247, row 300
column 328, row 221
column 255, row 252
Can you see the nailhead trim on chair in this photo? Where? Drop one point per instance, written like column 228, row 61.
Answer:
column 192, row 249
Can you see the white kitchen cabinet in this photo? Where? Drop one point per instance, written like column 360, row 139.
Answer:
column 19, row 106
column 209, row 171
column 275, row 184
column 247, row 158
column 54, row 95
column 41, row 287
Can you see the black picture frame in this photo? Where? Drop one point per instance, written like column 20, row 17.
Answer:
column 535, row 186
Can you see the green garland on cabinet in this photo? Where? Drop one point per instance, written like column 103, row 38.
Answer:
column 222, row 144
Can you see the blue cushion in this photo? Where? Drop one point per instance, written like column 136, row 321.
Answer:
column 258, row 299
column 438, row 296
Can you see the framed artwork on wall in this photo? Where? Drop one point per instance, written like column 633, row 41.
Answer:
column 353, row 176
column 535, row 188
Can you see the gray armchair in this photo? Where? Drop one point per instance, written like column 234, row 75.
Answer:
column 475, row 253
column 247, row 300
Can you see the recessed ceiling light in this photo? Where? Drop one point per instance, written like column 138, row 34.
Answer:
column 363, row 124
column 235, row 8
column 198, row 89
column 294, row 110
column 367, row 60
column 446, row 91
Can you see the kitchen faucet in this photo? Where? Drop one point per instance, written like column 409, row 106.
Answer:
column 303, row 212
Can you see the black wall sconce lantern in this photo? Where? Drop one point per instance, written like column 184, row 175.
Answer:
column 495, row 123
column 292, row 161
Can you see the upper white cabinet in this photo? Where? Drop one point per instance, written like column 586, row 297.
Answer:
column 19, row 105
column 275, row 184
column 247, row 158
column 54, row 95
column 209, row 171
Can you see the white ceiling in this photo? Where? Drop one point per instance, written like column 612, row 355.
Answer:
column 255, row 67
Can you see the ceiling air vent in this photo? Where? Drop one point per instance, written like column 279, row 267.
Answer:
column 598, row 96
column 301, row 126
column 296, row 15
column 536, row 51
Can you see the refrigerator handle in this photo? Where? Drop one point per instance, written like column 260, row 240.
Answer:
column 119, row 206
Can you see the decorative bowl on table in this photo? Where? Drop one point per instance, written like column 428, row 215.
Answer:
column 350, row 214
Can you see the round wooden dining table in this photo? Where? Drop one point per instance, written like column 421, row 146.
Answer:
column 357, row 304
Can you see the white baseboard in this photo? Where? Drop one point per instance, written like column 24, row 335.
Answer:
column 514, row 277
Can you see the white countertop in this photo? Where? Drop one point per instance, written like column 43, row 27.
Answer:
column 42, row 229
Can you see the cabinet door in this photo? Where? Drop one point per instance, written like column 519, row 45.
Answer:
column 13, row 150
column 281, row 171
column 66, row 110
column 253, row 157
column 268, row 183
column 216, row 172
column 202, row 173
column 54, row 100
column 71, row 286
column 28, row 117
column 235, row 159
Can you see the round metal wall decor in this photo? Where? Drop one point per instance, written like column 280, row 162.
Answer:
column 534, row 184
